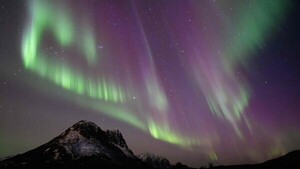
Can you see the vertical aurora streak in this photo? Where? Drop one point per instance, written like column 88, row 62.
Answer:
column 216, row 71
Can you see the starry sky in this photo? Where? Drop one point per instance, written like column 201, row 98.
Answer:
column 193, row 81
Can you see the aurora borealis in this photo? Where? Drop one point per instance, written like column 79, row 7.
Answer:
column 194, row 81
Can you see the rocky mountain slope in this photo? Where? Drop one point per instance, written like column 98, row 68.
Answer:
column 83, row 144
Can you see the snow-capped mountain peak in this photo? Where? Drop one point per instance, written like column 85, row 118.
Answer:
column 86, row 129
column 83, row 140
column 87, row 139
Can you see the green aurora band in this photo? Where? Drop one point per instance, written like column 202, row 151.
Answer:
column 63, row 75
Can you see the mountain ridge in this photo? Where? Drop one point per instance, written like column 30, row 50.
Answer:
column 86, row 145
column 156, row 161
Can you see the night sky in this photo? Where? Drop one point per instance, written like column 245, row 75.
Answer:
column 193, row 81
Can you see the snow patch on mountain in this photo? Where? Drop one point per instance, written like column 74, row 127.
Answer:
column 71, row 137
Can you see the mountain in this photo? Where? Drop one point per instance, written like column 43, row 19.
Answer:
column 84, row 144
column 155, row 161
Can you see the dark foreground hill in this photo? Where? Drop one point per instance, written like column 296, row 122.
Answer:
column 85, row 145
column 288, row 161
